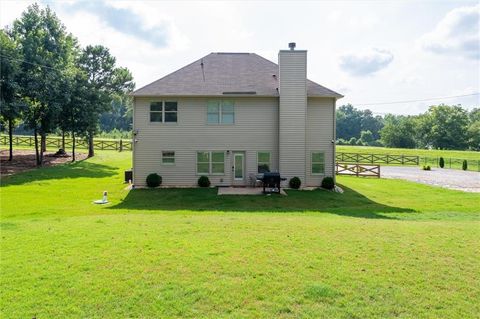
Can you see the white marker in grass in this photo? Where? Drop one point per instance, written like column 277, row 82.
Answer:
column 104, row 200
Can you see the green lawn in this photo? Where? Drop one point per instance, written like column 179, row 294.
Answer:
column 383, row 249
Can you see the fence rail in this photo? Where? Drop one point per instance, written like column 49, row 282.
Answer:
column 53, row 141
column 378, row 158
column 456, row 163
column 369, row 170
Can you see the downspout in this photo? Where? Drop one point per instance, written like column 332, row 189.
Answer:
column 334, row 134
column 134, row 137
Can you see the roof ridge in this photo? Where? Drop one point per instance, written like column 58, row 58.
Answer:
column 240, row 72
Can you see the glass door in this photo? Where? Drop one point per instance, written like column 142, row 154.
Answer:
column 238, row 166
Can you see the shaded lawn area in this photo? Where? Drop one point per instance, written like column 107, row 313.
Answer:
column 383, row 249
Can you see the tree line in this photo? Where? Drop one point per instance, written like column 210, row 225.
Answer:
column 52, row 85
column 440, row 127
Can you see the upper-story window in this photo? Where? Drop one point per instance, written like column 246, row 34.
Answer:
column 220, row 112
column 163, row 112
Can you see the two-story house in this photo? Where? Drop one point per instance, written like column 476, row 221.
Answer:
column 231, row 115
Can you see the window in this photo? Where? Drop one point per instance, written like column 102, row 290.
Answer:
column 318, row 163
column 170, row 112
column 156, row 112
column 168, row 157
column 218, row 163
column 213, row 112
column 163, row 112
column 227, row 112
column 211, row 163
column 263, row 162
column 220, row 112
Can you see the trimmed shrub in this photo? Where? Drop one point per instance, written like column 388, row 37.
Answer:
column 203, row 181
column 328, row 183
column 426, row 167
column 295, row 182
column 154, row 180
column 464, row 165
column 441, row 162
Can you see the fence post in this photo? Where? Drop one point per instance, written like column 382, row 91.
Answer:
column 121, row 146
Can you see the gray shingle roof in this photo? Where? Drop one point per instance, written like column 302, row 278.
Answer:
column 218, row 74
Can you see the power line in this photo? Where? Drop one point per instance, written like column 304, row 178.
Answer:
column 419, row 100
column 356, row 104
column 32, row 63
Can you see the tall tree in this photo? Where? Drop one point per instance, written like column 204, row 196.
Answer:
column 445, row 127
column 371, row 123
column 351, row 122
column 348, row 122
column 75, row 112
column 47, row 51
column 473, row 131
column 11, row 106
column 399, row 131
column 106, row 81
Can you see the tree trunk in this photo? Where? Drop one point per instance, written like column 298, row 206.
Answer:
column 43, row 146
column 63, row 140
column 73, row 146
column 43, row 139
column 37, row 155
column 10, row 139
column 91, row 151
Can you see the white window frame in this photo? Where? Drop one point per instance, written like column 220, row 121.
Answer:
column 269, row 160
column 168, row 157
column 220, row 112
column 312, row 162
column 163, row 112
column 210, row 163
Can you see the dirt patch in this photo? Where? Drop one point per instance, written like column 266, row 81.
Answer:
column 24, row 160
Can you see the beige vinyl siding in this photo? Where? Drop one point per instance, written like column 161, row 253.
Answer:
column 292, row 113
column 255, row 129
column 320, row 133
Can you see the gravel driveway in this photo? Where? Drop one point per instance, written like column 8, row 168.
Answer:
column 466, row 181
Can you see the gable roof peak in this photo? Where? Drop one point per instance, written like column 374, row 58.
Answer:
column 220, row 72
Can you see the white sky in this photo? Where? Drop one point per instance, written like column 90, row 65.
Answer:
column 369, row 51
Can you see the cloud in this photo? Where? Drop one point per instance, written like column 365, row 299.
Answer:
column 456, row 34
column 120, row 19
column 366, row 62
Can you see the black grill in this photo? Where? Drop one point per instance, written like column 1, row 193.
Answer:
column 271, row 182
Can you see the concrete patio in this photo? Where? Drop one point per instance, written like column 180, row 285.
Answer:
column 244, row 191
